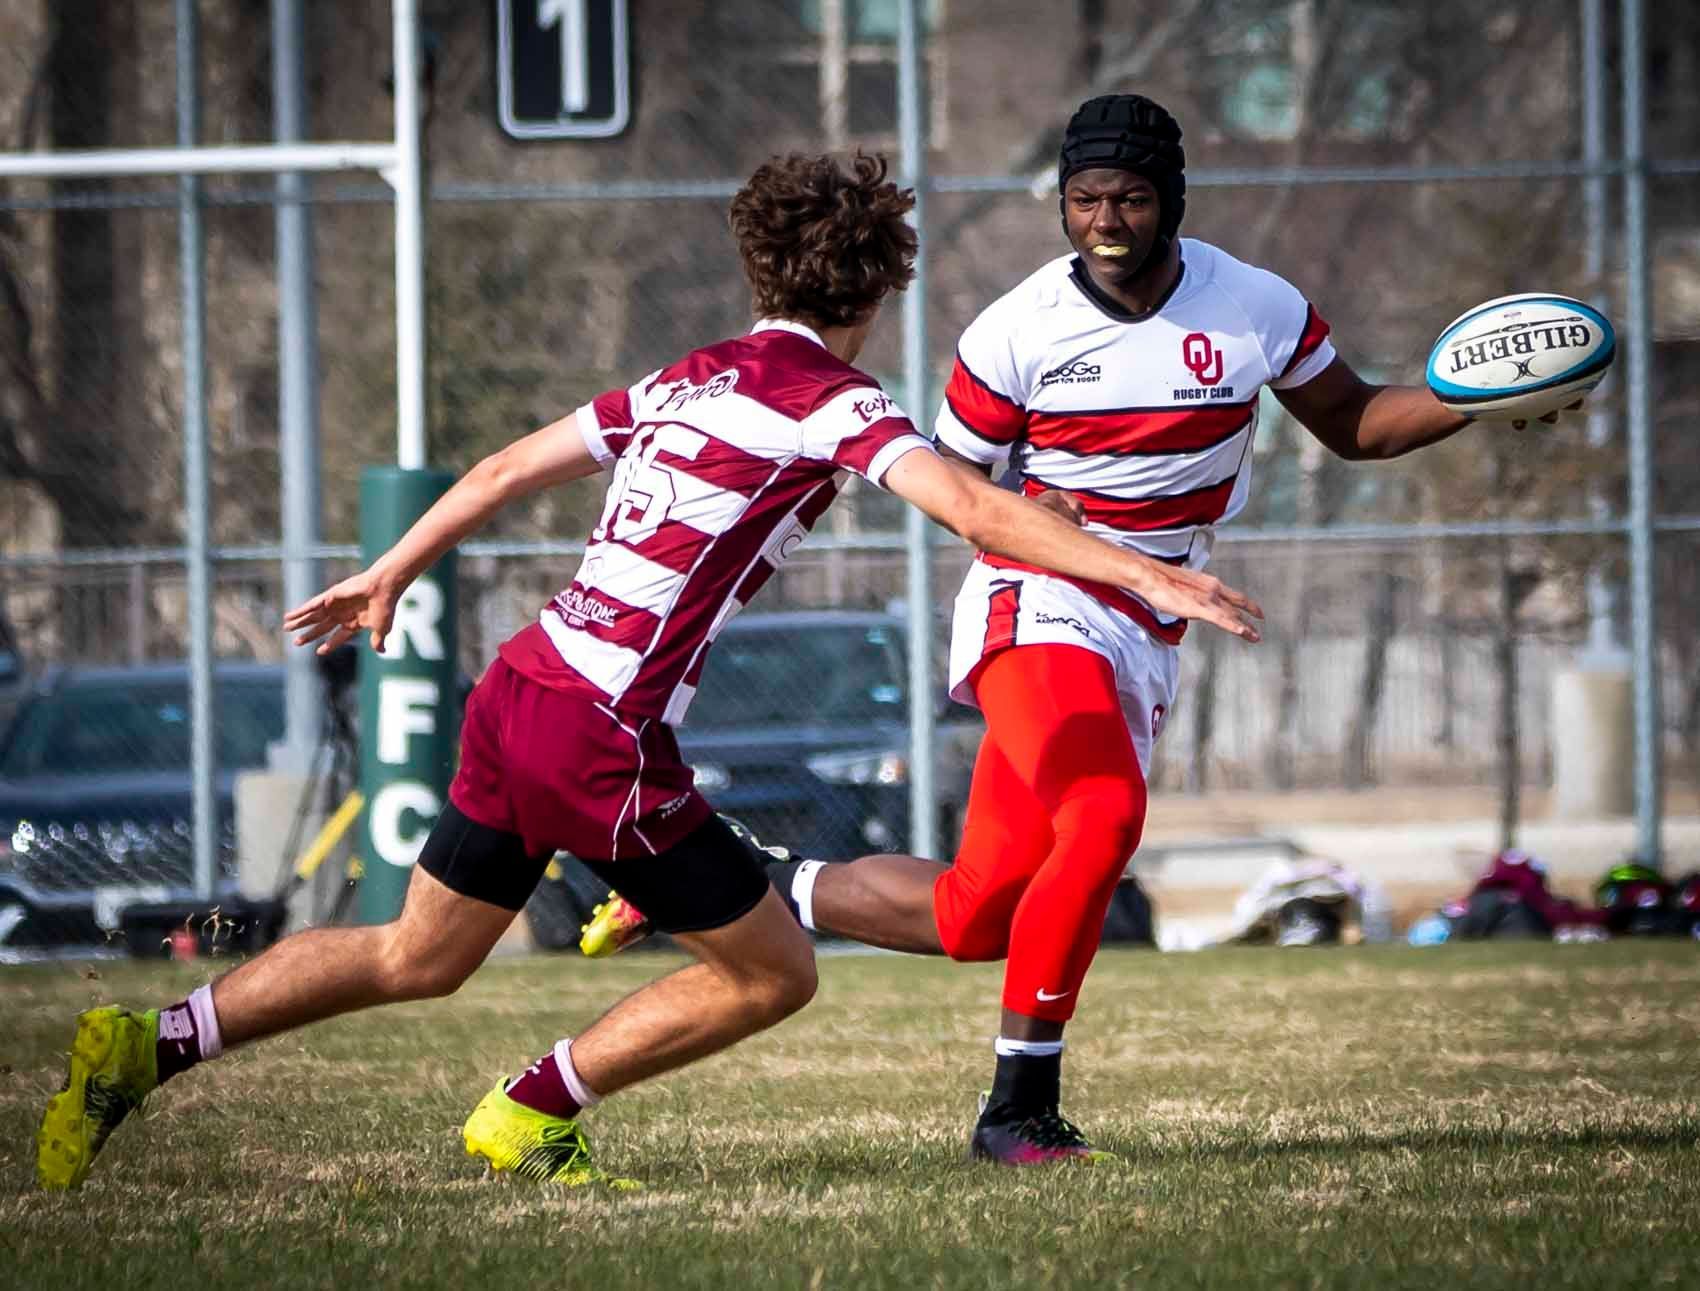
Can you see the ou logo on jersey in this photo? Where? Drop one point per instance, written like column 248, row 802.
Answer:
column 1202, row 359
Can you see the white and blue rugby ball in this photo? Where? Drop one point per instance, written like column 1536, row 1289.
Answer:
column 1518, row 357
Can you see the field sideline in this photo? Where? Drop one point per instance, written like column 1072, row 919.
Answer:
column 1389, row 1117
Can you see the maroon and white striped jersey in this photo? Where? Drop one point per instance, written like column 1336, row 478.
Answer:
column 722, row 464
column 1148, row 418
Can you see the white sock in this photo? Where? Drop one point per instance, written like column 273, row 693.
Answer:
column 206, row 1022
column 803, row 892
column 1026, row 1048
column 582, row 1093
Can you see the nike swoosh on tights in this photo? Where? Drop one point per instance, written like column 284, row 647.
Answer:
column 1047, row 996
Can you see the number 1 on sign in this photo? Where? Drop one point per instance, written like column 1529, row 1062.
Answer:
column 575, row 49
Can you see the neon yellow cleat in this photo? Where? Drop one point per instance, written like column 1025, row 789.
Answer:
column 112, row 1071
column 533, row 1145
column 614, row 925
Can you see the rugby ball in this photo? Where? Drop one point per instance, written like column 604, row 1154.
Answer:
column 1518, row 357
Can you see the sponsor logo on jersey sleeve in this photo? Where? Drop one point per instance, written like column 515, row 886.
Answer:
column 874, row 406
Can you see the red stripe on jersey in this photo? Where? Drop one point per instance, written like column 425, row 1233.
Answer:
column 674, row 545
column 597, row 614
column 721, row 464
column 532, row 654
column 856, row 452
column 991, row 415
column 1139, row 431
column 1114, row 597
column 613, row 410
column 1201, row 506
column 1002, row 614
column 814, row 507
column 725, row 563
column 753, row 582
column 1312, row 336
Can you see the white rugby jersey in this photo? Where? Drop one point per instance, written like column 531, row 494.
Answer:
column 1148, row 418
column 722, row 464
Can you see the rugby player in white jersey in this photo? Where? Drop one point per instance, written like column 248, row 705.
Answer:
column 721, row 464
column 1121, row 383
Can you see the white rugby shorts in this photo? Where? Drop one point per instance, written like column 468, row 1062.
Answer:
column 1000, row 608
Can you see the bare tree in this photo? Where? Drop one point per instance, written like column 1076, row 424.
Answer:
column 1381, row 621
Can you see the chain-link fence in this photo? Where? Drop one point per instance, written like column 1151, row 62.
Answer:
column 1396, row 163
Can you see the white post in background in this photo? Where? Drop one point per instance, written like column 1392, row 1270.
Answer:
column 1593, row 695
column 297, row 388
column 923, row 791
column 197, row 510
column 1638, row 320
column 834, row 99
column 406, row 178
column 1605, row 599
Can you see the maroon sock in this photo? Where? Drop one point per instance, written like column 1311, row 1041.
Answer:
column 541, row 1088
column 178, row 1047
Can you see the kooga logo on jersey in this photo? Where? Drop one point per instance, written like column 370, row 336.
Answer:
column 1074, row 372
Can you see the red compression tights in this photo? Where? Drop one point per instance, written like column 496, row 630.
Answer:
column 1056, row 809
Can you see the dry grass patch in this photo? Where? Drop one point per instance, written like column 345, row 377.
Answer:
column 1482, row 1115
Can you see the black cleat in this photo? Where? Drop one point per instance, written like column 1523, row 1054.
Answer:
column 1009, row 1136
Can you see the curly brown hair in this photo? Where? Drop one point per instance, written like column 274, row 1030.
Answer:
column 821, row 245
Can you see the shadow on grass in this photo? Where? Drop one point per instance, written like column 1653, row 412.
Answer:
column 849, row 1162
column 1682, row 1133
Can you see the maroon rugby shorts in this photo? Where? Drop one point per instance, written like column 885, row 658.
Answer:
column 567, row 773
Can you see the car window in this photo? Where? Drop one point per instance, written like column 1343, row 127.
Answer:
column 113, row 728
column 776, row 677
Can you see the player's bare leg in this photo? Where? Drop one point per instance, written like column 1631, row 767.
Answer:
column 893, row 901
column 1020, row 1026
column 430, row 950
column 884, row 901
column 751, row 974
column 119, row 1057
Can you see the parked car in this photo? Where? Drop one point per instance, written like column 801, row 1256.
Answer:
column 95, row 796
column 800, row 729
column 11, row 671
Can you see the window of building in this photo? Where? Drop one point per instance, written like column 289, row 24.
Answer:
column 847, row 68
column 1280, row 50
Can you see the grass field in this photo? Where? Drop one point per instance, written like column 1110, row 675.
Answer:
column 1465, row 1116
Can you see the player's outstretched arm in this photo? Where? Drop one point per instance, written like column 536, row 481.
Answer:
column 1000, row 522
column 1360, row 421
column 366, row 602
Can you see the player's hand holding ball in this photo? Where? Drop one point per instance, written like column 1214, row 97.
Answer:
column 1521, row 358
